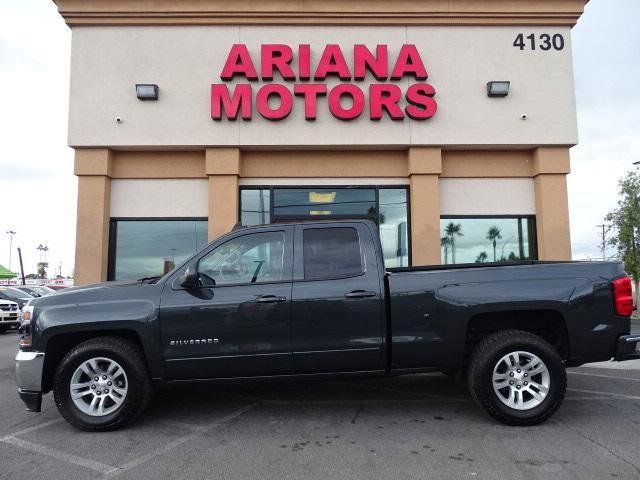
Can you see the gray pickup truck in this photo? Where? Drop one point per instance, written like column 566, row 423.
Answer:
column 314, row 300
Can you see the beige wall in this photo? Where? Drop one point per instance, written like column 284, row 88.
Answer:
column 160, row 197
column 185, row 60
column 110, row 185
column 487, row 196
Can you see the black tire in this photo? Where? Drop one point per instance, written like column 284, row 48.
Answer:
column 4, row 328
column 130, row 358
column 488, row 352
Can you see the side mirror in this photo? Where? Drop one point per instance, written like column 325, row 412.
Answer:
column 190, row 279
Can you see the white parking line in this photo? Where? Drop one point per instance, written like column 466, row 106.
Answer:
column 616, row 377
column 31, row 429
column 59, row 455
column 610, row 394
column 115, row 471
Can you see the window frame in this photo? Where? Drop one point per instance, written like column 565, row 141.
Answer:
column 532, row 228
column 320, row 218
column 113, row 236
column 363, row 260
column 174, row 277
column 286, row 267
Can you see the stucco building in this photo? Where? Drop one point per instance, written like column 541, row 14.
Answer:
column 276, row 110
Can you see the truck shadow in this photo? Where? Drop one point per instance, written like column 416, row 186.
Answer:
column 429, row 392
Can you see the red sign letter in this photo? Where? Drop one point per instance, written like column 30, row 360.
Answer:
column 276, row 57
column 262, row 101
column 304, row 62
column 364, row 60
column 420, row 96
column 357, row 98
column 332, row 62
column 311, row 92
column 383, row 96
column 239, row 63
column 241, row 100
column 409, row 62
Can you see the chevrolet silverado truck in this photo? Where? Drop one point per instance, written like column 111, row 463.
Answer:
column 314, row 300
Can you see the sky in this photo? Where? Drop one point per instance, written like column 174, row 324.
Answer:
column 38, row 188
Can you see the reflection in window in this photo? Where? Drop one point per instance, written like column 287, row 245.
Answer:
column 253, row 258
column 313, row 202
column 487, row 240
column 148, row 248
column 254, row 206
column 392, row 223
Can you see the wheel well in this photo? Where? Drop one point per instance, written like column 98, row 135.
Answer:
column 548, row 324
column 59, row 345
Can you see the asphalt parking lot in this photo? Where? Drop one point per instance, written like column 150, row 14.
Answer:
column 418, row 426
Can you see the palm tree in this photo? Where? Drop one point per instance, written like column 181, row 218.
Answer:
column 444, row 243
column 453, row 230
column 493, row 235
column 482, row 257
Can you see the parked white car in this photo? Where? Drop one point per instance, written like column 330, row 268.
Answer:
column 9, row 315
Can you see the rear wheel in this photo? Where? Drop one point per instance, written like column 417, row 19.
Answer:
column 102, row 384
column 517, row 377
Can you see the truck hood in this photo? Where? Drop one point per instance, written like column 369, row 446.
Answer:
column 96, row 292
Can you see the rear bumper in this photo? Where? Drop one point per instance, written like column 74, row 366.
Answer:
column 29, row 367
column 628, row 348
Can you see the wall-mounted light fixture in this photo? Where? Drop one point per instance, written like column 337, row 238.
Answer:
column 498, row 88
column 146, row 91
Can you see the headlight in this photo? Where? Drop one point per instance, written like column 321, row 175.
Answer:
column 27, row 313
column 24, row 332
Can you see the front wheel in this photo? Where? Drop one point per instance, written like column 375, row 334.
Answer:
column 517, row 377
column 102, row 384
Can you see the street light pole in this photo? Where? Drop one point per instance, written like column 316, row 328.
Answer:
column 11, row 233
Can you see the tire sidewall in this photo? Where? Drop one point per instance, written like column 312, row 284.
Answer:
column 556, row 378
column 62, row 391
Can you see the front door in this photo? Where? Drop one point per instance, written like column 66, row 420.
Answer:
column 337, row 300
column 238, row 321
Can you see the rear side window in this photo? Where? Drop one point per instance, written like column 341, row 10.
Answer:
column 331, row 252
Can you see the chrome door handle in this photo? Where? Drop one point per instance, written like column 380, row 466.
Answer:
column 270, row 299
column 360, row 294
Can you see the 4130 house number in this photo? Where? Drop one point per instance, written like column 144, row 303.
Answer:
column 544, row 41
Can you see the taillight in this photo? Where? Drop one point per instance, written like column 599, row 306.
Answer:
column 623, row 296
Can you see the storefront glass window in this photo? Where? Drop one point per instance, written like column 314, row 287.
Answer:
column 487, row 240
column 386, row 206
column 254, row 206
column 147, row 248
column 393, row 225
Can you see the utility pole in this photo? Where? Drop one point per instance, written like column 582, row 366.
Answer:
column 603, row 245
column 11, row 233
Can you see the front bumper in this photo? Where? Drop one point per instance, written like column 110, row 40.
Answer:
column 628, row 348
column 10, row 319
column 29, row 366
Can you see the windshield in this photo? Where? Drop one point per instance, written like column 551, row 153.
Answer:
column 41, row 289
column 14, row 292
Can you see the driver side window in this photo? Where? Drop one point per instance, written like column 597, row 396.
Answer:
column 252, row 258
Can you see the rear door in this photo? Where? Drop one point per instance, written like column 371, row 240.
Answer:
column 337, row 298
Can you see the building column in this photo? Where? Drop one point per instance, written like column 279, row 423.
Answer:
column 424, row 166
column 93, row 168
column 550, row 168
column 223, row 170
